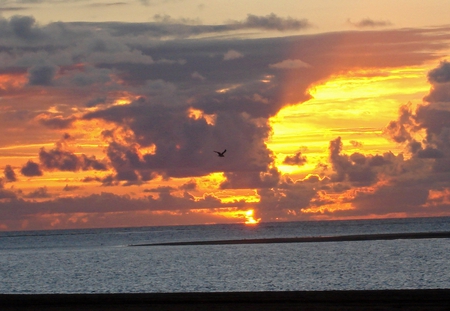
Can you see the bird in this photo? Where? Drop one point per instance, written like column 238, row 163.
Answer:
column 221, row 154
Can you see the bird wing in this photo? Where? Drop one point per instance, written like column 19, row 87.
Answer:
column 224, row 151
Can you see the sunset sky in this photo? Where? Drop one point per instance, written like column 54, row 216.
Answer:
column 110, row 111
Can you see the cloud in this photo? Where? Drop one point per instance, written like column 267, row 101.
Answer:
column 357, row 168
column 159, row 122
column 57, row 159
column 290, row 64
column 440, row 74
column 369, row 23
column 108, row 4
column 167, row 19
column 23, row 27
column 40, row 193
column 356, row 144
column 9, row 173
column 273, row 22
column 31, row 169
column 12, row 9
column 7, row 194
column 297, row 159
column 70, row 188
column 90, row 211
column 191, row 185
column 232, row 54
column 56, row 122
column 197, row 76
column 41, row 74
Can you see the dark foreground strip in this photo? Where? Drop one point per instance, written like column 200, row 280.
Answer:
column 431, row 300
column 362, row 237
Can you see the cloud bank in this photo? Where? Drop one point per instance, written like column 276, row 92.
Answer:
column 160, row 107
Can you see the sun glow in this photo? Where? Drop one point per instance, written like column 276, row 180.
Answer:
column 250, row 220
column 356, row 106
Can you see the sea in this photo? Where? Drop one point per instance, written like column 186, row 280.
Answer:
column 103, row 260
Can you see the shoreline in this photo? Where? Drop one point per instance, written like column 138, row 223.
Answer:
column 419, row 299
column 341, row 238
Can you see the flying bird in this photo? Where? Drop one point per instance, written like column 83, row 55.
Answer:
column 221, row 154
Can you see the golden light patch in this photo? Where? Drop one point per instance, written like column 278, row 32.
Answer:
column 227, row 89
column 236, row 195
column 355, row 105
column 235, row 215
column 438, row 197
column 197, row 114
column 250, row 220
column 12, row 81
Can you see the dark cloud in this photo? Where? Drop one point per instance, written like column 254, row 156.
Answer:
column 163, row 189
column 9, row 173
column 7, row 194
column 57, row 159
column 297, row 159
column 251, row 180
column 390, row 200
column 286, row 201
column 40, row 193
column 441, row 74
column 96, row 101
column 23, row 27
column 31, row 169
column 57, row 122
column 41, row 74
column 70, row 188
column 191, row 185
column 356, row 168
column 95, row 207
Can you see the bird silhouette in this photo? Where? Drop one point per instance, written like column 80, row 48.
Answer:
column 221, row 154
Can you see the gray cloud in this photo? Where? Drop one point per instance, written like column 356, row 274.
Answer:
column 31, row 169
column 273, row 22
column 7, row 194
column 41, row 74
column 9, row 173
column 14, row 212
column 40, row 193
column 440, row 74
column 369, row 23
column 57, row 122
column 57, row 159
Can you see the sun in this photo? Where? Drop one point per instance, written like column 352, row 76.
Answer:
column 250, row 220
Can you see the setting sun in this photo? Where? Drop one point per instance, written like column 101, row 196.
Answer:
column 249, row 218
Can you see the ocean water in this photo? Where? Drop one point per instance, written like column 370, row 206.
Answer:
column 101, row 260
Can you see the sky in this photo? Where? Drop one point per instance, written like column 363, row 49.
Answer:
column 110, row 112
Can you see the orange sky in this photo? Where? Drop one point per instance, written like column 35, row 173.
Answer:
column 110, row 124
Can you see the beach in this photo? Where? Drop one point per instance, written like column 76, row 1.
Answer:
column 430, row 300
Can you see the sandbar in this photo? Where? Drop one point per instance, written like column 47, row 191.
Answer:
column 315, row 239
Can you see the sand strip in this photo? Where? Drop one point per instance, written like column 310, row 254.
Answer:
column 341, row 238
column 431, row 300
